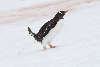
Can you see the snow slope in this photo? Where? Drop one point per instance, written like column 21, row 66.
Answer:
column 78, row 44
column 6, row 5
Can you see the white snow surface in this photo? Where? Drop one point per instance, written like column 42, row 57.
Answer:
column 77, row 44
column 6, row 5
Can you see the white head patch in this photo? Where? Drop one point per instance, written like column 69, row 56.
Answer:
column 60, row 12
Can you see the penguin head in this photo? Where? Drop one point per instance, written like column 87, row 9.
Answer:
column 60, row 14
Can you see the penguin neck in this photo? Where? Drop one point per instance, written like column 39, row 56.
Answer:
column 55, row 19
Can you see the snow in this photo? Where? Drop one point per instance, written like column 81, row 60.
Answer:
column 78, row 43
column 6, row 5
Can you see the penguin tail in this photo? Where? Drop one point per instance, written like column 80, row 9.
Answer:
column 30, row 32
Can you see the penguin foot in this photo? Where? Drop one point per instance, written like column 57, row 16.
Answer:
column 51, row 46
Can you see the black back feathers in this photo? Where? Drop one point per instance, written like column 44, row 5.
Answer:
column 45, row 29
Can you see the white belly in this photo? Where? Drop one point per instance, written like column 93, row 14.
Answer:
column 52, row 33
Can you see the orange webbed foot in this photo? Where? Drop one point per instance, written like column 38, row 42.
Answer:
column 51, row 46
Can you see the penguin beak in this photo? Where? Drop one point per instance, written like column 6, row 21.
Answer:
column 66, row 11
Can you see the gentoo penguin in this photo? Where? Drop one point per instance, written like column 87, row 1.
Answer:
column 48, row 31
